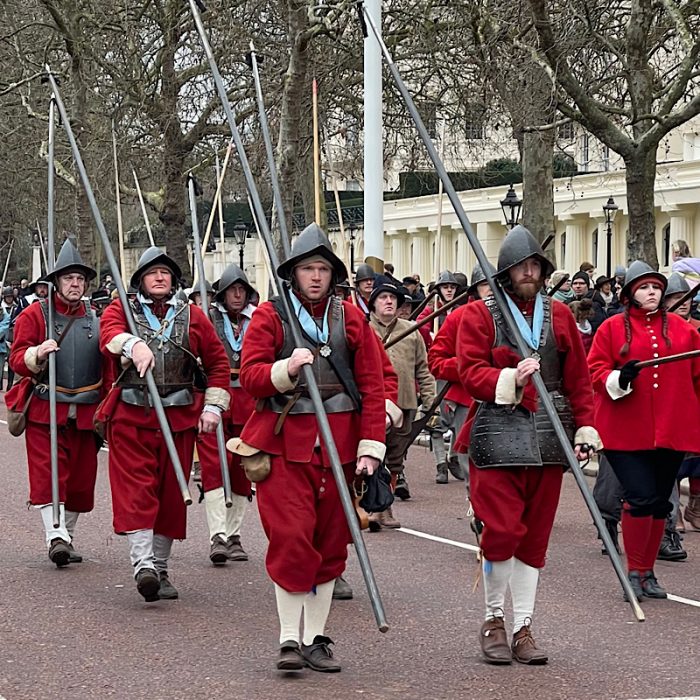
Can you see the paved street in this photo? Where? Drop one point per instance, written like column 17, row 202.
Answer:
column 84, row 631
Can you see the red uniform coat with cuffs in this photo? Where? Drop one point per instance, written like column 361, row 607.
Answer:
column 299, row 504
column 264, row 340
column 442, row 357
column 662, row 409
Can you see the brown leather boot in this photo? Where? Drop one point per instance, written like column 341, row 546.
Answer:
column 388, row 520
column 494, row 642
column 525, row 650
column 692, row 512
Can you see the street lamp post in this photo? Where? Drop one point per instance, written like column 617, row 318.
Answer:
column 609, row 209
column 352, row 227
column 240, row 231
column 511, row 206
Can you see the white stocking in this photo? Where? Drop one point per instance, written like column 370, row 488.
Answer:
column 496, row 578
column 523, row 590
column 317, row 606
column 289, row 607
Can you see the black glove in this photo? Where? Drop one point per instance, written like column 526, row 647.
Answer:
column 628, row 373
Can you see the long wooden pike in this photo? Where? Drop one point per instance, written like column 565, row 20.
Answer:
column 428, row 319
column 669, row 358
column 219, row 185
column 317, row 168
column 417, row 312
column 7, row 262
column 143, row 209
column 120, row 225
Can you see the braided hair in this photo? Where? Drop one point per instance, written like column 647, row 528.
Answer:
column 628, row 327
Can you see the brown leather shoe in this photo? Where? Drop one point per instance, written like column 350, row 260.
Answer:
column 692, row 512
column 235, row 549
column 218, row 552
column 290, row 658
column 494, row 642
column 59, row 552
column 525, row 650
column 388, row 520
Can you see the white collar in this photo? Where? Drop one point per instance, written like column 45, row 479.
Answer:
column 145, row 300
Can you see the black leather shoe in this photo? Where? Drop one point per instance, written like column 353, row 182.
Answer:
column 218, row 552
column 671, row 548
column 341, row 589
column 147, row 584
column 635, row 579
column 401, row 489
column 651, row 587
column 290, row 658
column 59, row 552
column 319, row 657
column 166, row 590
column 235, row 549
column 73, row 556
column 455, row 468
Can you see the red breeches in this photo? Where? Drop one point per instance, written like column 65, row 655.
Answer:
column 77, row 466
column 145, row 492
column 517, row 507
column 303, row 518
column 208, row 452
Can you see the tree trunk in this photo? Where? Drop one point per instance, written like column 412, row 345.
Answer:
column 641, row 236
column 538, row 155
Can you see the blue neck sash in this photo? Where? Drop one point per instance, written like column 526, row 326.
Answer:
column 235, row 343
column 307, row 322
column 164, row 329
column 530, row 335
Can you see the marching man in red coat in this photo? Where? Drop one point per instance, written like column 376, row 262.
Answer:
column 516, row 468
column 298, row 501
column 231, row 315
column 146, row 500
column 78, row 390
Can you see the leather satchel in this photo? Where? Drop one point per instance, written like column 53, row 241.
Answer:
column 17, row 420
column 256, row 464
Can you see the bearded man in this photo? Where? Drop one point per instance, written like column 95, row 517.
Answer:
column 516, row 460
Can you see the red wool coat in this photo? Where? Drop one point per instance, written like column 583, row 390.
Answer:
column 480, row 364
column 204, row 343
column 264, row 340
column 442, row 357
column 662, row 410
column 30, row 330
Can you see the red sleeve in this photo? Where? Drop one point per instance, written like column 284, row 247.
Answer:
column 30, row 330
column 112, row 322
column 442, row 358
column 263, row 341
column 391, row 379
column 576, row 379
column 206, row 344
column 475, row 338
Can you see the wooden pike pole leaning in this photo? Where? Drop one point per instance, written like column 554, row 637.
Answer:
column 117, row 193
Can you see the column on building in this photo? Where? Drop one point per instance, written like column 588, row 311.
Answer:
column 443, row 258
column 683, row 228
column 421, row 258
column 464, row 258
column 261, row 276
column 575, row 241
column 400, row 249
column 490, row 236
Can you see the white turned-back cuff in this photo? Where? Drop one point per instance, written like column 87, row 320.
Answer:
column 214, row 396
column 371, row 448
column 394, row 412
column 31, row 359
column 279, row 376
column 612, row 384
column 588, row 435
column 117, row 344
column 507, row 391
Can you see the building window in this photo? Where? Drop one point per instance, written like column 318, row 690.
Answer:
column 606, row 158
column 352, row 186
column 585, row 152
column 666, row 245
column 428, row 113
column 594, row 247
column 566, row 131
column 475, row 123
column 562, row 248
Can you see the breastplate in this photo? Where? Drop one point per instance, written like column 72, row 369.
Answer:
column 234, row 356
column 174, row 364
column 335, row 399
column 79, row 362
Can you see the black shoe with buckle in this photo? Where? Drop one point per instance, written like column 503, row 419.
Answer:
column 147, row 584
column 235, row 549
column 401, row 488
column 59, row 552
column 319, row 657
column 290, row 658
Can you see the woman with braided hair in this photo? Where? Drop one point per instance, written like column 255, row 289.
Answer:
column 647, row 419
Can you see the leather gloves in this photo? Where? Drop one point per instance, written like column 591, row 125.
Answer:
column 628, row 373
